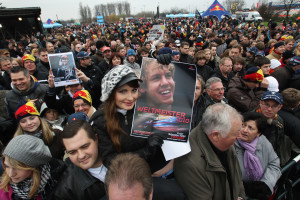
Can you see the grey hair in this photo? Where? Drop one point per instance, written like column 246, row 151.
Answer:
column 218, row 117
column 212, row 80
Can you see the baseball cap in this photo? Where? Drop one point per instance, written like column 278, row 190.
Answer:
column 105, row 48
column 82, row 54
column 269, row 95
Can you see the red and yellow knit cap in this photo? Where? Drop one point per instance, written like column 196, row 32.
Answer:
column 84, row 95
column 26, row 110
column 28, row 57
column 254, row 74
column 94, row 36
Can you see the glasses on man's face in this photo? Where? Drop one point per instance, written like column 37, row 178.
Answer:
column 274, row 107
column 86, row 58
column 81, row 105
column 219, row 89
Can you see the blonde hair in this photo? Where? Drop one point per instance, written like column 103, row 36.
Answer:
column 34, row 51
column 296, row 51
column 211, row 56
column 36, row 175
column 46, row 130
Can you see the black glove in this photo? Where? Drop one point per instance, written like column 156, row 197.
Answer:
column 164, row 59
column 257, row 189
column 154, row 141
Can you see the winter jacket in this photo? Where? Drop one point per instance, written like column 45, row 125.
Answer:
column 295, row 81
column 283, row 76
column 163, row 189
column 268, row 158
column 274, row 55
column 225, row 81
column 40, row 75
column 6, row 81
column 42, row 66
column 201, row 174
column 77, row 184
column 291, row 125
column 198, row 110
column 241, row 97
column 205, row 71
column 278, row 137
column 128, row 143
column 13, row 97
column 186, row 58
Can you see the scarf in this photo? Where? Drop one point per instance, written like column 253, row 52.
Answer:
column 38, row 134
column 252, row 165
column 22, row 189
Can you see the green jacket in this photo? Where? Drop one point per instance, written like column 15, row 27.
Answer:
column 201, row 174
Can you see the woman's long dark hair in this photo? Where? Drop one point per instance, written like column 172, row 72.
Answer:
column 112, row 121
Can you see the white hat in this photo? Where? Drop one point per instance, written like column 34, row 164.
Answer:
column 275, row 63
column 273, row 84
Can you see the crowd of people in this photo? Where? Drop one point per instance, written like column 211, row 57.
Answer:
column 73, row 141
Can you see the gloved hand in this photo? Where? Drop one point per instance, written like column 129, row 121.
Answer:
column 154, row 141
column 164, row 59
column 257, row 189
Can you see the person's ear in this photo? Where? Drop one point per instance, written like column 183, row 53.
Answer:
column 215, row 136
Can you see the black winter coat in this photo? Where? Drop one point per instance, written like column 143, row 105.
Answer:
column 225, row 80
column 283, row 76
column 128, row 143
column 205, row 71
column 78, row 184
column 291, row 125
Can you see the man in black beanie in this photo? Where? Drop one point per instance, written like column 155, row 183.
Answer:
column 277, row 52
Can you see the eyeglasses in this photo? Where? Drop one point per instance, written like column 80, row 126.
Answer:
column 82, row 105
column 218, row 89
column 227, row 65
column 86, row 58
column 274, row 107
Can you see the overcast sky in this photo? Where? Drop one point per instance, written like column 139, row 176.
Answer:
column 67, row 9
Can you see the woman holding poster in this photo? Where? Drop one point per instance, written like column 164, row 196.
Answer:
column 113, row 124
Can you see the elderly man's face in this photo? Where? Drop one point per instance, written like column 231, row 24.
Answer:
column 216, row 91
column 234, row 133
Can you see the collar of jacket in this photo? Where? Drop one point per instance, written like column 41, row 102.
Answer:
column 86, row 179
column 276, row 55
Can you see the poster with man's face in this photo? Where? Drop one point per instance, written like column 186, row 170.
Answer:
column 63, row 69
column 166, row 100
